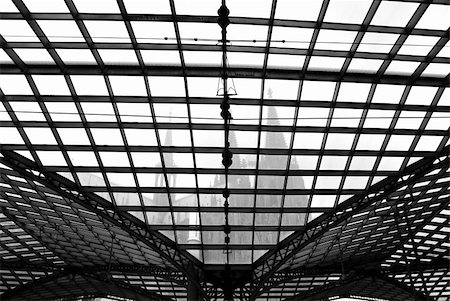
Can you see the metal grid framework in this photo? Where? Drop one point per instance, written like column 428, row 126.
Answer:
column 111, row 143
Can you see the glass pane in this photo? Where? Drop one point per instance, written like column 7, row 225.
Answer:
column 197, row 7
column 308, row 140
column 347, row 11
column 147, row 7
column 118, row 57
column 167, row 86
column 435, row 17
column 394, row 13
column 141, row 137
column 312, row 116
column 17, row 31
column 73, row 136
column 370, row 142
column 40, row 135
column 307, row 10
column 377, row 42
column 282, row 89
column 385, row 93
column 89, row 84
column 107, row 31
column 34, row 56
column 76, row 56
column 96, row 111
column 61, row 30
column 128, row 85
column 14, row 84
column 418, row 45
column 161, row 57
column 99, row 6
column 364, row 65
column 318, row 90
column 51, row 84
column 339, row 141
column 107, row 136
column 335, row 39
column 291, row 37
column 400, row 142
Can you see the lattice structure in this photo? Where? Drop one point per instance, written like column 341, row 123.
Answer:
column 111, row 143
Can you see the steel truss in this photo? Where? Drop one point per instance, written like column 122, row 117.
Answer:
column 271, row 262
column 134, row 227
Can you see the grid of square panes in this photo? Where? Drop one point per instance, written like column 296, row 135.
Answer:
column 150, row 140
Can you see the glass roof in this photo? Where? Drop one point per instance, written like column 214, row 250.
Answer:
column 122, row 97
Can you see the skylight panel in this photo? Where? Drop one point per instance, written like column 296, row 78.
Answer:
column 312, row 116
column 323, row 201
column 421, row 95
column 437, row 70
column 305, row 10
column 339, row 141
column 154, row 32
column 247, row 87
column 83, row 158
column 114, row 159
column 402, row 67
column 445, row 51
column 346, row 117
column 390, row 163
column 328, row 182
column 377, row 42
column 400, row 142
column 303, row 162
column 121, row 179
column 244, row 139
column 134, row 112
column 385, row 93
column 161, row 57
column 146, row 159
column 51, row 158
column 394, row 13
column 291, row 37
column 418, row 45
column 208, row 160
column 205, row 33
column 27, row 111
column 17, row 31
column 308, row 140
column 318, row 90
column 98, row 111
column 435, row 17
column 325, row 63
column 203, row 58
column 98, row 6
column 144, row 137
column 244, row 114
column 4, row 58
column 89, row 85
column 246, row 8
column 177, row 137
column 34, row 56
column 167, row 86
column 62, row 111
column 8, row 6
column 428, row 143
column 10, row 136
column 282, row 89
column 76, row 56
column 333, row 163
column 362, row 163
column 73, row 136
column 284, row 61
column 40, row 135
column 182, row 160
column 335, row 39
column 347, row 11
column 46, row 6
column 353, row 92
column 51, row 84
column 202, row 86
column 364, row 65
column 4, row 116
column 61, row 30
column 409, row 120
column 208, row 138
column 107, row 31
column 107, row 136
column 14, row 84
column 128, row 85
column 378, row 118
column 371, row 142
column 118, row 56
column 197, row 7
column 169, row 112
column 245, row 59
column 352, row 182
column 147, row 7
column 201, row 113
column 439, row 121
column 245, row 35
column 278, row 115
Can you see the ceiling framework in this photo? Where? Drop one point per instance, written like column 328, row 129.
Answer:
column 111, row 143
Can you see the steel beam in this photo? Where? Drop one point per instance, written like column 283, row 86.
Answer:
column 233, row 72
column 134, row 227
column 271, row 262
